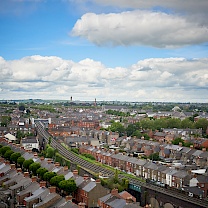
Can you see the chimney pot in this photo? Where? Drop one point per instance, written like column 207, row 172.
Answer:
column 34, row 179
column 57, row 164
column 7, row 162
column 19, row 170
column 86, row 176
column 98, row 181
column 114, row 192
column 26, row 174
column 49, row 161
column 66, row 168
column 43, row 184
column 81, row 205
column 12, row 166
column 69, row 198
column 75, row 172
column 52, row 189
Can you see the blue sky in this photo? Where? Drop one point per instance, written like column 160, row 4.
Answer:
column 110, row 50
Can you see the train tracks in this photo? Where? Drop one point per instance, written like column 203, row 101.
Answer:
column 98, row 169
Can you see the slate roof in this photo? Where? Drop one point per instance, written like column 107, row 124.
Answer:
column 90, row 186
column 29, row 140
column 30, row 189
column 68, row 204
column 116, row 203
column 22, row 183
column 39, row 193
column 17, row 177
column 68, row 175
column 9, row 174
column 48, row 198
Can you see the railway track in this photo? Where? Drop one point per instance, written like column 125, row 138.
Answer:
column 98, row 169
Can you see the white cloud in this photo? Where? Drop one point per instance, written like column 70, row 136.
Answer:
column 140, row 28
column 184, row 5
column 160, row 79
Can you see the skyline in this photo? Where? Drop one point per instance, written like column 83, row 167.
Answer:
column 127, row 51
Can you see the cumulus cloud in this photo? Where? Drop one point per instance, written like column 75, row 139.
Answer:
column 185, row 5
column 156, row 79
column 140, row 28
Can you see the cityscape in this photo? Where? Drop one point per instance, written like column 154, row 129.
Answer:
column 87, row 154
column 103, row 104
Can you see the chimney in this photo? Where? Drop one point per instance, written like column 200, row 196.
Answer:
column 49, row 161
column 85, row 177
column 19, row 170
column 57, row 164
column 180, row 144
column 22, row 148
column 35, row 155
column 129, row 200
column 66, row 168
column 42, row 158
column 75, row 172
column 69, row 198
column 2, row 160
column 43, row 184
column 26, row 174
column 34, row 179
column 114, row 192
column 52, row 189
column 204, row 149
column 98, row 180
column 12, row 166
column 191, row 146
column 7, row 162
column 81, row 205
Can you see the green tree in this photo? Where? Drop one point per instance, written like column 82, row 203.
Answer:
column 117, row 127
column 160, row 123
column 8, row 154
column 14, row 157
column 34, row 167
column 202, row 123
column 69, row 186
column 137, row 134
column 187, row 123
column 27, row 163
column 20, row 161
column 131, row 129
column 177, row 141
column 20, row 134
column 4, row 149
column 147, row 124
column 41, row 171
column 173, row 123
column 5, row 120
column 54, row 181
column 48, row 175
column 154, row 157
column 49, row 140
column 50, row 152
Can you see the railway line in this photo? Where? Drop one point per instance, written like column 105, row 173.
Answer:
column 200, row 203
